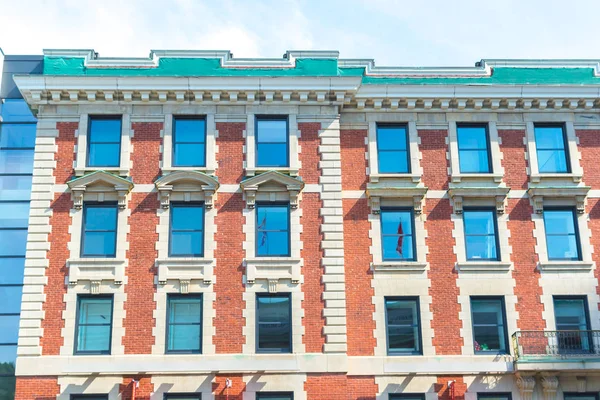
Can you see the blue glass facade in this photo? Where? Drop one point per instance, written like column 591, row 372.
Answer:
column 17, row 143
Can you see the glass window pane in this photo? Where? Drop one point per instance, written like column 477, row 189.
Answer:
column 391, row 138
column 11, row 270
column 402, row 326
column 398, row 247
column 396, row 222
column 16, row 161
column 550, row 161
column 15, row 187
column 187, row 218
column 481, row 248
column 273, row 243
column 190, row 131
column 95, row 311
column 473, row 161
column 406, row 397
column 104, row 155
column 185, row 310
column 271, row 155
column 9, row 329
column 273, row 396
column 472, row 137
column 93, row 338
column 549, row 137
column 99, row 243
column 17, row 136
column 274, row 323
column 187, row 243
column 184, row 338
column 16, row 110
column 488, row 325
column 8, row 356
column 94, row 324
column 101, row 218
column 10, row 299
column 562, row 248
column 273, row 217
column 105, row 130
column 479, row 222
column 559, row 221
column 189, row 155
column 7, row 383
column 14, row 215
column 391, row 162
column 271, row 131
column 580, row 397
column 570, row 314
column 13, row 242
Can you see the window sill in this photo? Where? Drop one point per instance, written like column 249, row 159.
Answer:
column 185, row 269
column 489, row 177
column 114, row 170
column 483, row 266
column 273, row 269
column 565, row 266
column 537, row 178
column 376, row 177
column 398, row 266
column 96, row 269
column 259, row 170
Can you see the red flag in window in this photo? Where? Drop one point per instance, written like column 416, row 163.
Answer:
column 400, row 238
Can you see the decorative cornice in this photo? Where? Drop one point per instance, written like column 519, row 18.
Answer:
column 85, row 183
column 376, row 191
column 187, row 182
column 458, row 194
column 286, row 183
column 579, row 193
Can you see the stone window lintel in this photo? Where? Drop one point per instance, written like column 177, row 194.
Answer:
column 196, row 182
column 499, row 194
column 376, row 192
column 579, row 193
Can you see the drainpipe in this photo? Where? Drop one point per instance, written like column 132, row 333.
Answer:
column 136, row 384
column 227, row 386
column 450, row 389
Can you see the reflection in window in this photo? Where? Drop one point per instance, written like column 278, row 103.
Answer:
column 572, row 324
column 489, row 331
column 480, row 234
column 104, row 142
column 94, row 325
column 187, row 230
column 184, row 324
column 189, row 142
column 473, row 151
column 274, row 396
column 494, row 396
column 397, row 234
column 272, row 142
column 551, row 145
column 273, row 323
column 403, row 327
column 562, row 240
column 99, row 230
column 392, row 149
column 272, row 229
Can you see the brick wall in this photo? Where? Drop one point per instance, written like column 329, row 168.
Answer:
column 354, row 162
column 143, row 389
column 326, row 387
column 229, row 252
column 37, row 388
column 235, row 392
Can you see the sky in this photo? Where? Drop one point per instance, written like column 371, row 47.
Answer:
column 393, row 33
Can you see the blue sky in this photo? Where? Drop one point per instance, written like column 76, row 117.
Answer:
column 407, row 33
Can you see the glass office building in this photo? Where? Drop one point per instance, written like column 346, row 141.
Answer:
column 17, row 143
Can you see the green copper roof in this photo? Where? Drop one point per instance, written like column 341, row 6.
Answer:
column 324, row 67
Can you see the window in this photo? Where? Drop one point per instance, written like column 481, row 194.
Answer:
column 473, row 149
column 397, row 238
column 275, row 396
column 273, row 323
column 489, row 326
column 572, row 325
column 99, row 237
column 272, row 230
column 407, row 396
column 562, row 240
column 494, row 396
column 392, row 149
column 551, row 144
column 189, row 142
column 104, row 142
column 403, row 325
column 94, row 325
column 580, row 396
column 272, row 149
column 187, row 230
column 89, row 397
column 183, row 396
column 481, row 238
column 184, row 324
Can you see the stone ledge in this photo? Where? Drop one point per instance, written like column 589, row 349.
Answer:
column 185, row 269
column 483, row 266
column 399, row 266
column 273, row 269
column 96, row 269
column 565, row 266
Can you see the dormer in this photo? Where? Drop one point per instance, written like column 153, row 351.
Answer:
column 271, row 184
column 97, row 186
column 187, row 186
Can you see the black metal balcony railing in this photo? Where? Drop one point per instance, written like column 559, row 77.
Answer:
column 556, row 344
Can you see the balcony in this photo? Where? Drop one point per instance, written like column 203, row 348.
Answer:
column 556, row 350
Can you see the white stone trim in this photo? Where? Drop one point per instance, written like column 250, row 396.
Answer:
column 38, row 244
column 491, row 384
column 413, row 143
column 191, row 384
column 160, row 315
column 495, row 176
column 274, row 383
column 70, row 385
column 574, row 154
column 210, row 143
column 332, row 243
column 291, row 112
column 406, row 384
column 69, row 315
column 249, row 313
column 81, row 134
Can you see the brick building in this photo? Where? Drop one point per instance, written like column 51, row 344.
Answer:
column 311, row 228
